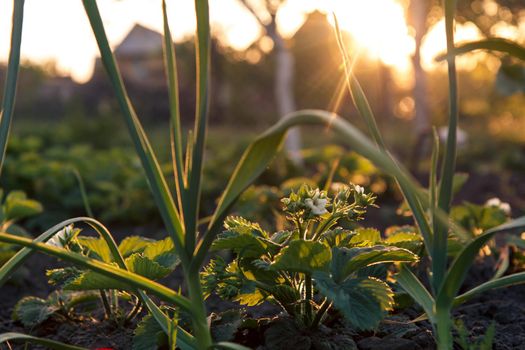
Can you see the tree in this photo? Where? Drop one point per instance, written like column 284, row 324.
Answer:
column 284, row 69
column 484, row 14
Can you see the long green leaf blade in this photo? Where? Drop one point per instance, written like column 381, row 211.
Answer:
column 460, row 266
column 173, row 92
column 83, row 193
column 491, row 44
column 511, row 280
column 185, row 341
column 131, row 279
column 361, row 103
column 259, row 154
column 416, row 290
column 439, row 254
column 156, row 179
column 19, row 337
column 13, row 67
column 202, row 47
column 22, row 255
column 433, row 186
column 356, row 92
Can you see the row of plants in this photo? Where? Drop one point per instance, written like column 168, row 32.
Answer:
column 54, row 171
column 321, row 265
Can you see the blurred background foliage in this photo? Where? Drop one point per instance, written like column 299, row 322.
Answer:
column 61, row 125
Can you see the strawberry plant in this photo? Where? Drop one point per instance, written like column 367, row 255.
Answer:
column 312, row 265
column 80, row 291
column 14, row 207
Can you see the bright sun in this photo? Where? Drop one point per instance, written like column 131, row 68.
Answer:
column 379, row 28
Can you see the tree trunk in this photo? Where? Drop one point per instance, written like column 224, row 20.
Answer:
column 421, row 120
column 419, row 11
column 283, row 79
column 284, row 94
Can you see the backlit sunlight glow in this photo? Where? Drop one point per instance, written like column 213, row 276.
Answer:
column 379, row 28
column 434, row 43
column 58, row 31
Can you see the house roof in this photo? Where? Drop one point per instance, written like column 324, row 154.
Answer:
column 140, row 41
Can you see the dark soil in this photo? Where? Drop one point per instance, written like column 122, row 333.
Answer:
column 505, row 308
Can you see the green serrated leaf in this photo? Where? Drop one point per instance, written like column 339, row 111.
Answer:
column 62, row 276
column 133, row 244
column 155, row 249
column 225, row 325
column 244, row 227
column 149, row 335
column 249, row 295
column 243, row 244
column 163, row 252
column 402, row 237
column 368, row 236
column 89, row 280
column 363, row 301
column 136, row 263
column 244, row 238
column 98, row 248
column 32, row 311
column 280, row 237
column 243, row 289
column 338, row 237
column 303, row 256
column 357, row 258
column 143, row 266
column 17, row 206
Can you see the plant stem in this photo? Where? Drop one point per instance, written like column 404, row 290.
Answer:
column 439, row 254
column 201, row 331
column 442, row 329
column 134, row 312
column 105, row 302
column 308, row 297
column 115, row 303
column 11, row 80
column 320, row 313
column 322, row 228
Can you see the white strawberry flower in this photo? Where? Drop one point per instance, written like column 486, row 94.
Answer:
column 359, row 189
column 317, row 205
column 496, row 202
column 62, row 237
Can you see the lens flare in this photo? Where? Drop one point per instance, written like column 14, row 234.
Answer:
column 379, row 28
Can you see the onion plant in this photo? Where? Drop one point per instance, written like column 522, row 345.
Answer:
column 179, row 211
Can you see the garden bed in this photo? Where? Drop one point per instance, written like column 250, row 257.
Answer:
column 503, row 307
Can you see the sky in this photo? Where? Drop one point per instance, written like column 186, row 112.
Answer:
column 58, row 30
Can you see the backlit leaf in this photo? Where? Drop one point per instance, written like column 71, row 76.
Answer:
column 32, row 311
column 362, row 301
column 133, row 244
column 368, row 236
column 362, row 257
column 303, row 256
column 17, row 206
column 98, row 247
column 149, row 335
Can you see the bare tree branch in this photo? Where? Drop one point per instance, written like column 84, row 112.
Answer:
column 254, row 13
